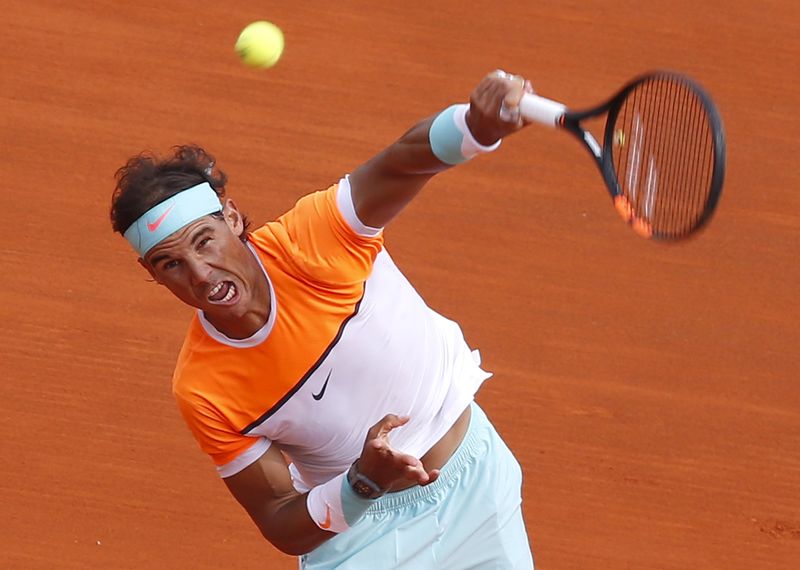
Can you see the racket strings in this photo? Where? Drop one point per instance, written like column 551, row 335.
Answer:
column 664, row 156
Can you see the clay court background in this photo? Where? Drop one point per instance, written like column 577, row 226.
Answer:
column 649, row 391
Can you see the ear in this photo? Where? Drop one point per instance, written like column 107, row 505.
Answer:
column 149, row 269
column 233, row 217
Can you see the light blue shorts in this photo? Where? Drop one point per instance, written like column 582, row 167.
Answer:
column 470, row 517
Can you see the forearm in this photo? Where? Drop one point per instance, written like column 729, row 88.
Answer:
column 266, row 492
column 386, row 183
column 297, row 523
column 383, row 185
column 287, row 524
column 412, row 154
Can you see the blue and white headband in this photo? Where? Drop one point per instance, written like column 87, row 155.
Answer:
column 171, row 215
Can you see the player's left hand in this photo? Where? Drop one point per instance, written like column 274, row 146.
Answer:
column 494, row 106
column 387, row 467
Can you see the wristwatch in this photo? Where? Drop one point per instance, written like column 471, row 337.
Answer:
column 363, row 485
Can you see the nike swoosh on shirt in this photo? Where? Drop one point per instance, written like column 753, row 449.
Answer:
column 154, row 226
column 322, row 392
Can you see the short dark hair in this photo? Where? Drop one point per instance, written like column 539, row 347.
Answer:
column 147, row 180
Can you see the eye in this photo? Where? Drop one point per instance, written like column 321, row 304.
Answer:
column 171, row 264
column 203, row 242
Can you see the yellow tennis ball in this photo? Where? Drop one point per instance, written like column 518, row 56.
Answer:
column 260, row 44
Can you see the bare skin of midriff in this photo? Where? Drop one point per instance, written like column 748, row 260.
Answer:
column 443, row 449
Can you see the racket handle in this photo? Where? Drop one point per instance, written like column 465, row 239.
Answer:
column 545, row 111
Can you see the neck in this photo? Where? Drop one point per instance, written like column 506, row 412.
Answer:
column 243, row 327
column 255, row 313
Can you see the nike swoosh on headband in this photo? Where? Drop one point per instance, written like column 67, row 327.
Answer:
column 154, row 226
column 171, row 215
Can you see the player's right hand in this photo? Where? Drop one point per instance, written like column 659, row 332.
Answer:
column 494, row 106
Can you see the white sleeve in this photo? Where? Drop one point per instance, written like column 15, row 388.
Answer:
column 250, row 456
column 344, row 201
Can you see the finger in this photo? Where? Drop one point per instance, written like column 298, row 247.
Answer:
column 508, row 113
column 422, row 477
column 380, row 445
column 433, row 475
column 495, row 85
column 385, row 425
column 515, row 85
column 527, row 90
column 409, row 461
column 391, row 422
column 498, row 73
column 417, row 474
column 509, row 89
column 496, row 88
column 515, row 89
column 529, row 87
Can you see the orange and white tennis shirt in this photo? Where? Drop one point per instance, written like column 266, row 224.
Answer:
column 348, row 340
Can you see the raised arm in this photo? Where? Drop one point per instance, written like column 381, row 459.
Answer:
column 386, row 183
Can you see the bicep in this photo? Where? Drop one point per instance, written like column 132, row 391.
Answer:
column 262, row 486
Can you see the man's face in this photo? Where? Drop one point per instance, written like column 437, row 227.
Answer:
column 206, row 265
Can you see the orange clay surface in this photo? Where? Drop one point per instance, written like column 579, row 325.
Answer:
column 650, row 391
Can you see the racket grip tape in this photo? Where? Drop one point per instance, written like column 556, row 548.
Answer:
column 541, row 110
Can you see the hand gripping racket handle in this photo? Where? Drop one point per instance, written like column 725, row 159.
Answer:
column 545, row 111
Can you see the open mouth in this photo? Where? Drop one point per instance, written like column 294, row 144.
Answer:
column 223, row 293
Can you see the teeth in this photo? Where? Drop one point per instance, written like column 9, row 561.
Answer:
column 216, row 289
column 229, row 296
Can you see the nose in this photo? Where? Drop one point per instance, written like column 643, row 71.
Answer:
column 199, row 271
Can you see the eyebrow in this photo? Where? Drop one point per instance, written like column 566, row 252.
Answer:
column 202, row 231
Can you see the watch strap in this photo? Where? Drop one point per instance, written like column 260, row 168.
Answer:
column 363, row 485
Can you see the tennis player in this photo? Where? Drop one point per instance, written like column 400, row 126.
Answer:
column 337, row 406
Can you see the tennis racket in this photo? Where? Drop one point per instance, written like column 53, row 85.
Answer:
column 662, row 154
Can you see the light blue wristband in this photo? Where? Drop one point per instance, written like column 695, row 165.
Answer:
column 450, row 138
column 353, row 505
